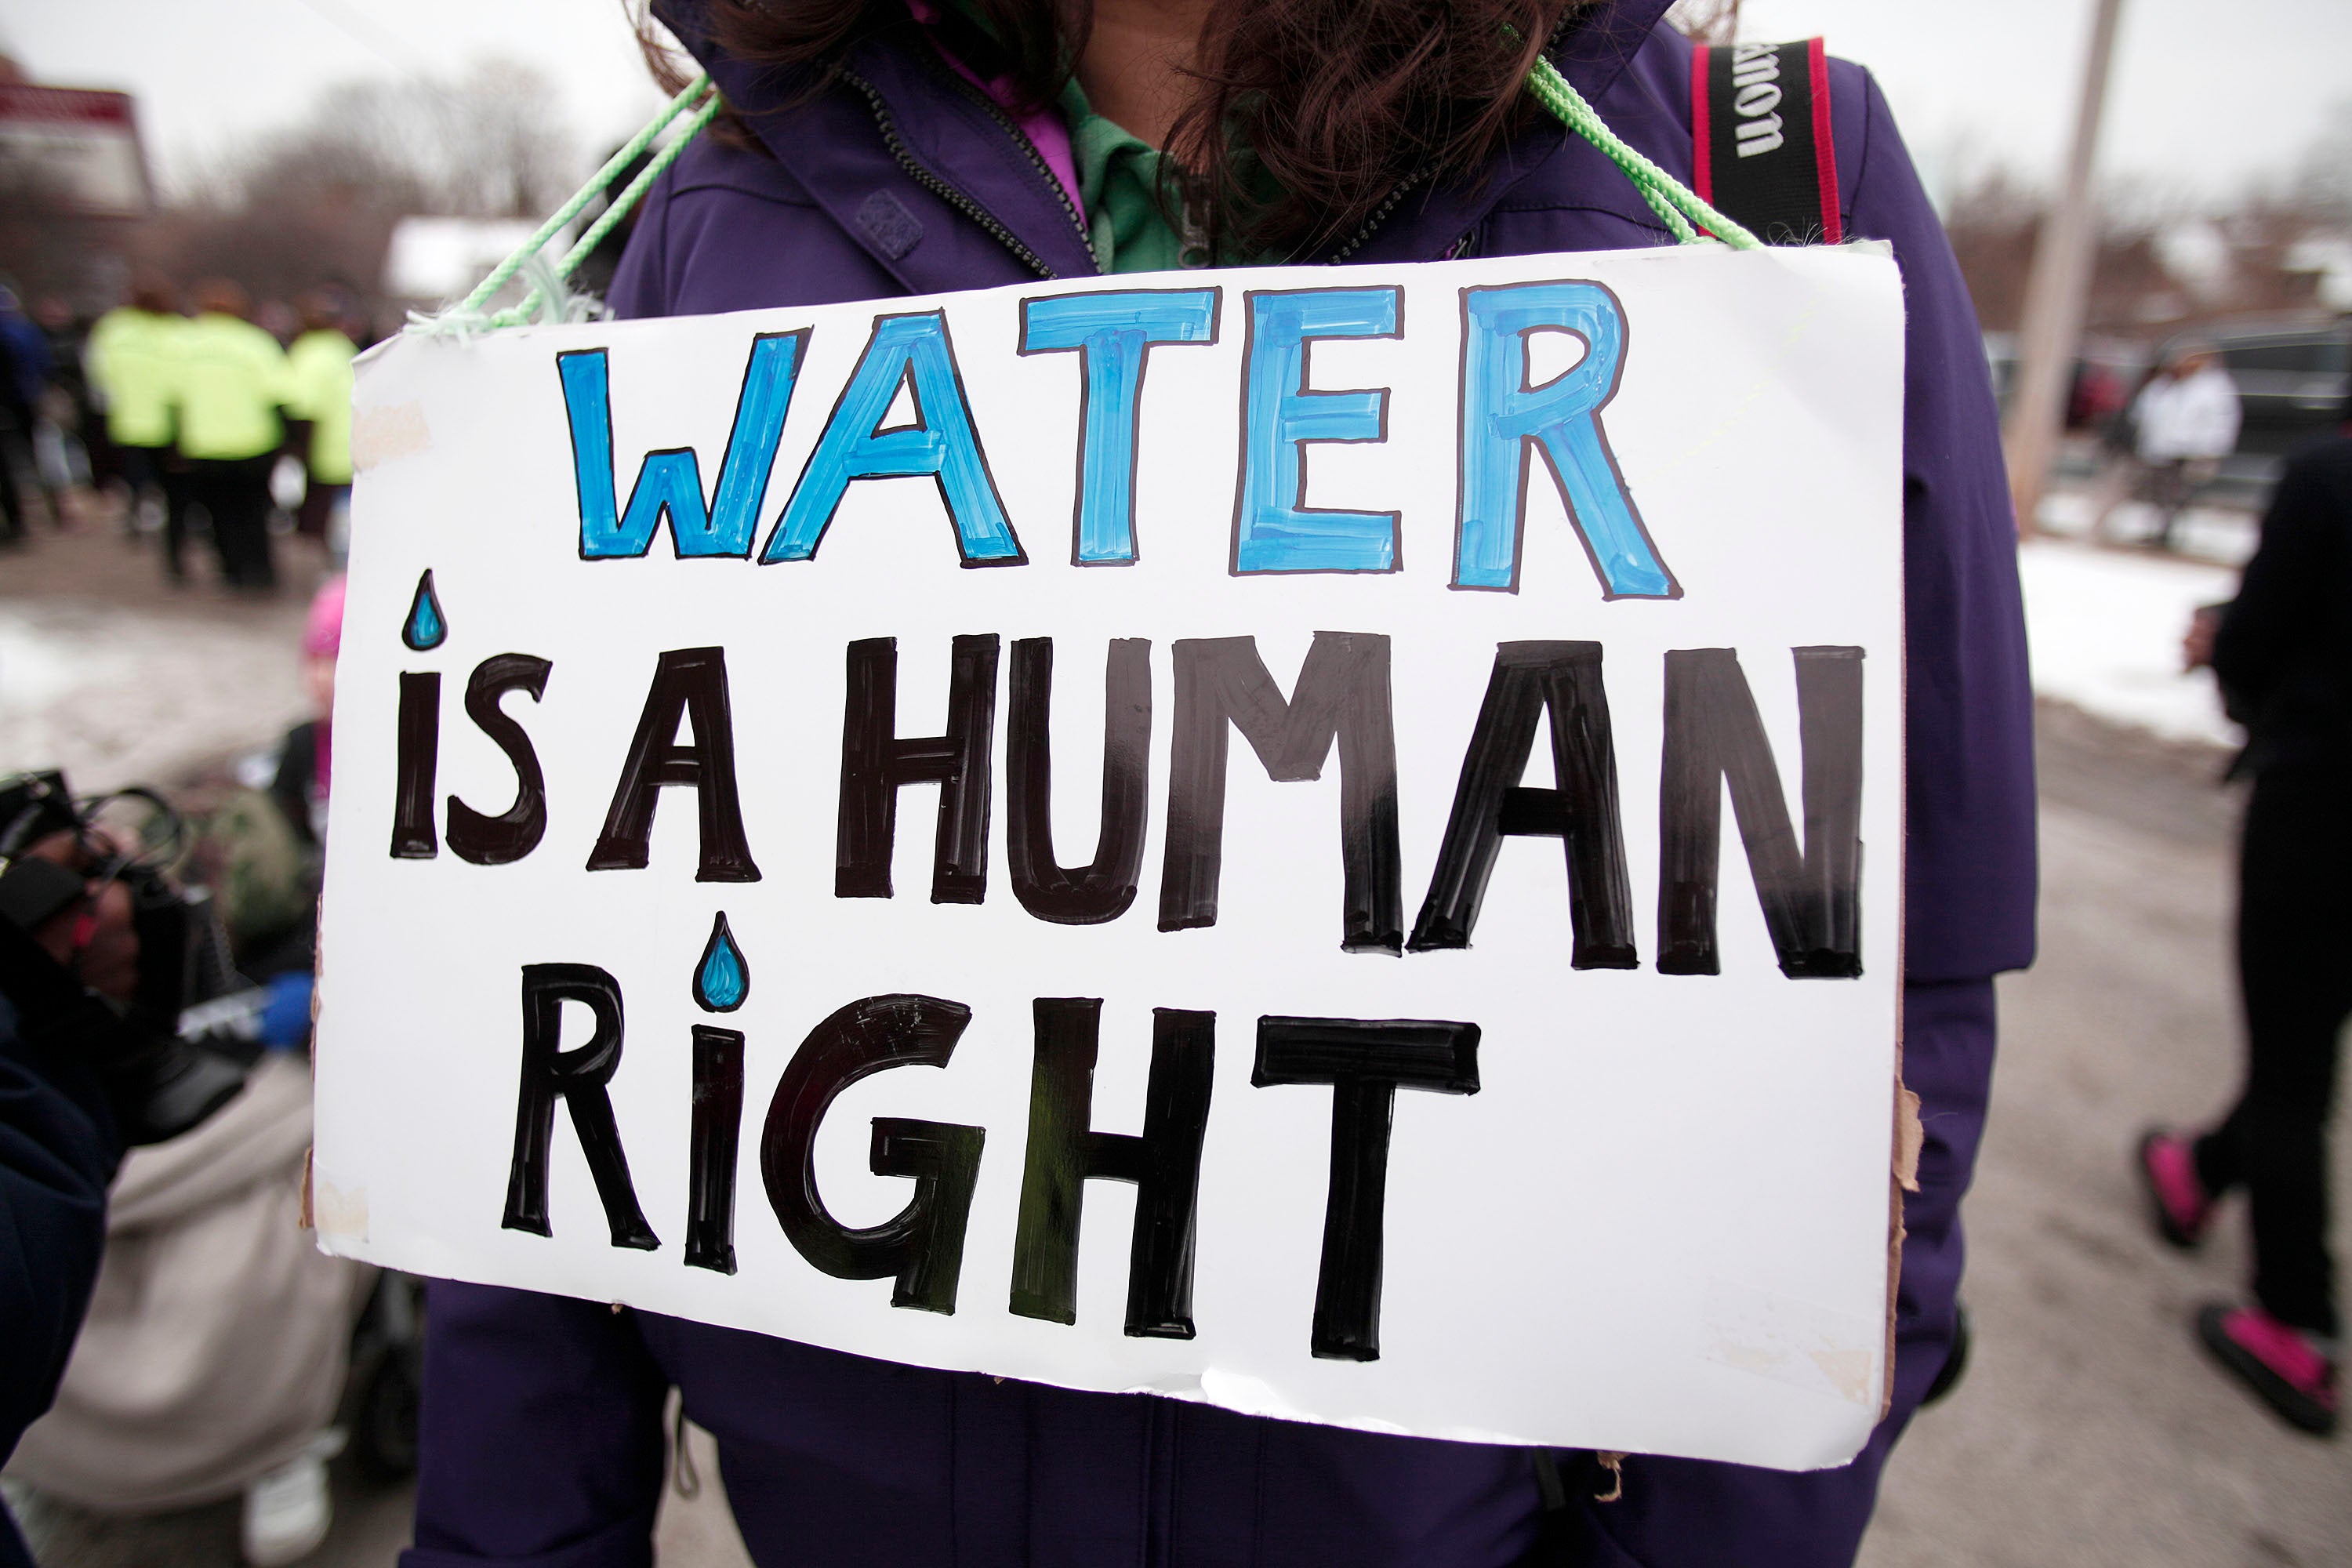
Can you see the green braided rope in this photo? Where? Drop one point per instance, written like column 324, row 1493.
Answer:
column 627, row 200
column 597, row 183
column 1668, row 197
column 622, row 204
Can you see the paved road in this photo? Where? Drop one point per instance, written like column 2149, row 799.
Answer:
column 106, row 671
column 2089, row 1431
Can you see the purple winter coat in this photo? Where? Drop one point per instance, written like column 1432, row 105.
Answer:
column 541, row 1434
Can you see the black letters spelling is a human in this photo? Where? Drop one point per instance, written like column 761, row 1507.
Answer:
column 1560, row 680
column 1365, row 1061
column 921, row 1247
column 1164, row 1164
column 1810, row 894
column 515, row 832
column 1342, row 693
column 417, row 756
column 875, row 764
column 577, row 1078
column 688, row 682
column 1103, row 888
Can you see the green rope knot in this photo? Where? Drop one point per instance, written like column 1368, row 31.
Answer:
column 697, row 104
column 1675, row 204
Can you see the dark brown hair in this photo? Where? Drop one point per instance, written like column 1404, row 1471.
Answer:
column 222, row 296
column 1309, row 114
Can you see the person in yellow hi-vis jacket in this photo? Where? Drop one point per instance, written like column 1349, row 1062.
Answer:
column 320, row 367
column 229, row 388
column 129, row 360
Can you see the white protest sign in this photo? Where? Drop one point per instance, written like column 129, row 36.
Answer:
column 1325, row 841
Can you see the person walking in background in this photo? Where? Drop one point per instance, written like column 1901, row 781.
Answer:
column 12, row 499
column 80, row 453
column 24, row 376
column 229, row 386
column 279, row 319
column 2118, row 476
column 2187, row 419
column 2282, row 652
column 132, row 350
column 319, row 367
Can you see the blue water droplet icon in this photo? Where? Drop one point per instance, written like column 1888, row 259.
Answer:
column 426, row 628
column 722, row 979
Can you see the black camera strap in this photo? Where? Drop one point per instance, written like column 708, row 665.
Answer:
column 1761, row 148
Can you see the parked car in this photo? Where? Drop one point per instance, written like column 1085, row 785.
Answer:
column 2293, row 376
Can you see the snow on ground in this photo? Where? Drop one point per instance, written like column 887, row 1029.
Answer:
column 119, row 696
column 2225, row 534
column 2104, row 627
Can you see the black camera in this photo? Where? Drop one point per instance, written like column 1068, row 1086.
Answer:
column 158, row 1053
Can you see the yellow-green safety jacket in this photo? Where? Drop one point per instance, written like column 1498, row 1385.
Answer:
column 228, row 381
column 319, row 364
column 129, row 360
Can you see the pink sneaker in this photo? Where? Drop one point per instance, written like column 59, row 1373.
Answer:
column 2278, row 1362
column 2176, row 1198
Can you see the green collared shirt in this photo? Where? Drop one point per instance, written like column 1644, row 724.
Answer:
column 1119, row 187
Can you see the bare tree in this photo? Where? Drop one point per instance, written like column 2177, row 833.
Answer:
column 1993, row 222
column 46, row 245
column 487, row 144
column 2323, row 185
column 319, row 199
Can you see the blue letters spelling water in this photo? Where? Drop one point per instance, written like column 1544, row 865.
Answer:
column 1502, row 416
column 1113, row 332
column 914, row 351
column 1274, row 530
column 669, row 483
column 722, row 979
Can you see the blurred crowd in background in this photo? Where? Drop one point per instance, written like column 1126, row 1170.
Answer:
column 222, row 1355
column 182, row 414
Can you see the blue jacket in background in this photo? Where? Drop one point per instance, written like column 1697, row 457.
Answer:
column 28, row 352
column 542, row 1442
column 57, row 1155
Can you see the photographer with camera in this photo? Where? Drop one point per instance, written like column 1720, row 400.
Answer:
column 91, row 1063
column 58, row 1147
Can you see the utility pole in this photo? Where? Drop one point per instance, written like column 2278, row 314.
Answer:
column 2057, row 291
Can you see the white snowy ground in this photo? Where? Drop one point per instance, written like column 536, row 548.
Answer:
column 120, row 696
column 2104, row 624
column 2104, row 631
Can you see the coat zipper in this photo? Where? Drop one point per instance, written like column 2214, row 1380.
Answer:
column 997, row 230
column 1036, row 159
column 948, row 192
column 1380, row 216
